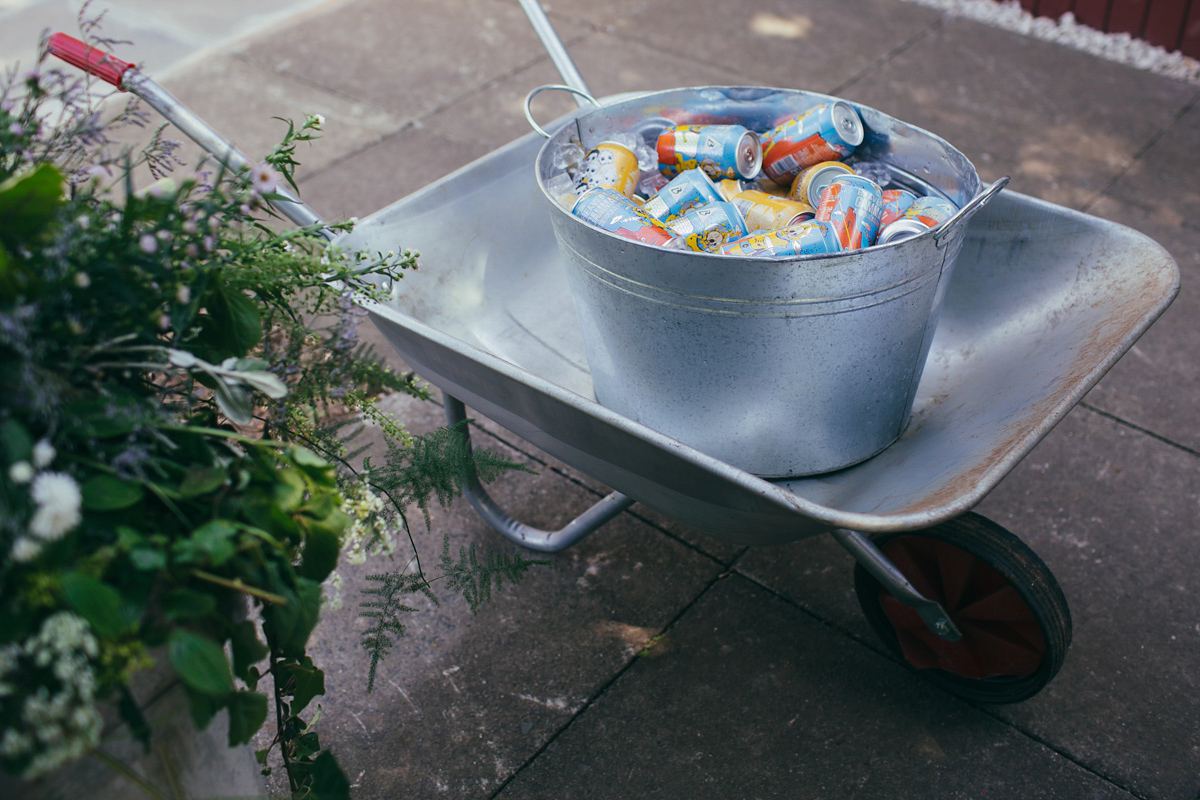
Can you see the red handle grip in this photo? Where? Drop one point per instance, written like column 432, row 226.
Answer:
column 103, row 65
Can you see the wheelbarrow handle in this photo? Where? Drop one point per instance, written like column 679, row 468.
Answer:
column 128, row 78
column 92, row 60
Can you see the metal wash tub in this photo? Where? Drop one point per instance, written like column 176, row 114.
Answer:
column 1042, row 302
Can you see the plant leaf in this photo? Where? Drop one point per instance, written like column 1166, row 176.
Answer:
column 247, row 713
column 200, row 661
column 109, row 493
column 96, row 602
column 328, row 780
column 247, row 649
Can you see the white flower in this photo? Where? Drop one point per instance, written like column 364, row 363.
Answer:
column 83, row 280
column 43, row 452
column 264, row 178
column 318, row 121
column 148, row 243
column 58, row 499
column 21, row 472
column 25, row 549
column 183, row 295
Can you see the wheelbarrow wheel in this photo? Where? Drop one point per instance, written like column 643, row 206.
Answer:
column 1014, row 619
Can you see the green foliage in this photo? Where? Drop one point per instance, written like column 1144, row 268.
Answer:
column 384, row 613
column 183, row 384
column 475, row 580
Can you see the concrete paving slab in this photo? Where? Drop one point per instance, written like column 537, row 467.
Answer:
column 409, row 63
column 1063, row 124
column 1158, row 196
column 749, row 697
column 1114, row 513
column 161, row 35
column 464, row 700
column 800, row 45
column 241, row 100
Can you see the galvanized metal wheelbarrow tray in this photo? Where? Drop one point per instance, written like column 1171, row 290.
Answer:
column 1042, row 302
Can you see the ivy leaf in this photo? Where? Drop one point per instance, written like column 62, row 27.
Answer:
column 306, row 683
column 247, row 649
column 247, row 713
column 96, row 602
column 16, row 441
column 321, row 548
column 291, row 623
column 203, row 706
column 109, row 493
column 200, row 661
column 328, row 780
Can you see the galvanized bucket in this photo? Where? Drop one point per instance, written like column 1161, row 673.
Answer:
column 782, row 368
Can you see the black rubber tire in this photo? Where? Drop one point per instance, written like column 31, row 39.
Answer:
column 1017, row 564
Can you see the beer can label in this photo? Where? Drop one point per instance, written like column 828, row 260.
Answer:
column 826, row 132
column 616, row 213
column 722, row 151
column 931, row 211
column 609, row 165
column 895, row 203
column 687, row 190
column 706, row 228
column 764, row 212
column 806, row 238
column 854, row 205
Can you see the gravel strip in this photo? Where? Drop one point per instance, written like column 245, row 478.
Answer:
column 1119, row 47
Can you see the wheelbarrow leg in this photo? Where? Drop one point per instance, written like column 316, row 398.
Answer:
column 884, row 571
column 522, row 534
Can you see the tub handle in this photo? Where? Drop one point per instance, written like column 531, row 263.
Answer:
column 529, row 99
column 945, row 233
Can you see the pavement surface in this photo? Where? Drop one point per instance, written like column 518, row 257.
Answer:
column 652, row 661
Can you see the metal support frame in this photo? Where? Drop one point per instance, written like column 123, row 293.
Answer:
column 525, row 535
column 875, row 562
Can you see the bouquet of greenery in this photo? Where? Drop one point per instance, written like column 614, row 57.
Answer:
column 179, row 384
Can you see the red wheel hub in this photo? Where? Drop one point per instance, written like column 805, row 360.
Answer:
column 1000, row 634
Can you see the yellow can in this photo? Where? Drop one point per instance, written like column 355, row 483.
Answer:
column 807, row 186
column 609, row 165
column 766, row 212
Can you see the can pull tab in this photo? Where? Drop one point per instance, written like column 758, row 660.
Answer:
column 529, row 99
column 948, row 230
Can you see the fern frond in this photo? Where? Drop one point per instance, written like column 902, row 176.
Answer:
column 474, row 580
column 390, row 587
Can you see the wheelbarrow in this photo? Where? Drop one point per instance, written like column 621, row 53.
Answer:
column 1042, row 303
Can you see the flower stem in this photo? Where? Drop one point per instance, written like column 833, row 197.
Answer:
column 237, row 585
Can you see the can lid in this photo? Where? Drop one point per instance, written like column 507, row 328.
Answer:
column 900, row 230
column 803, row 216
column 822, row 176
column 848, row 124
column 749, row 155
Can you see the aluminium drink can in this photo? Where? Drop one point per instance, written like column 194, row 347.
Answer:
column 806, row 238
column 722, row 151
column 854, row 205
column 895, row 203
column 932, row 211
column 609, row 165
column 687, row 190
column 706, row 228
column 765, row 212
column 826, row 132
column 901, row 229
column 808, row 183
column 616, row 213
